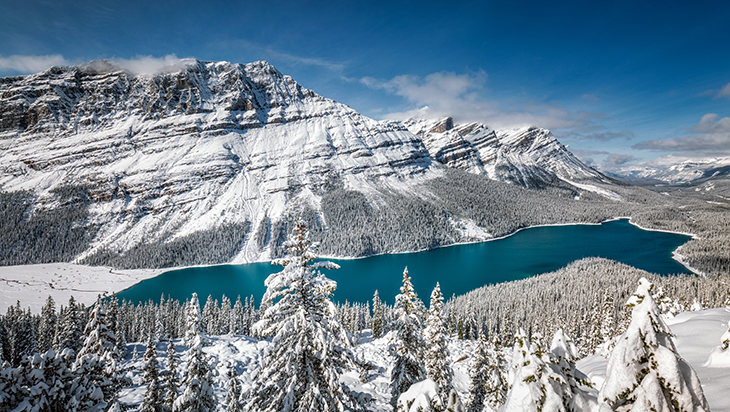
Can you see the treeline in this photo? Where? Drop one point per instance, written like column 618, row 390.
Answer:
column 205, row 247
column 30, row 235
column 582, row 299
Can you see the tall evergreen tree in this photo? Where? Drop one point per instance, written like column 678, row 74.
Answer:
column 409, row 344
column 68, row 331
column 436, row 359
column 47, row 326
column 309, row 347
column 100, row 339
column 644, row 371
column 488, row 388
column 377, row 316
column 233, row 392
column 197, row 393
column 193, row 322
column 171, row 378
column 152, row 401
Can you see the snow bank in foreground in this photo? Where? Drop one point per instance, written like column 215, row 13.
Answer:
column 32, row 284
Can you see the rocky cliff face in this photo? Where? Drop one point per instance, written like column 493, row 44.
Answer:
column 218, row 145
column 530, row 157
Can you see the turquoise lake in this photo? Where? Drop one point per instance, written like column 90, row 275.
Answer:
column 458, row 269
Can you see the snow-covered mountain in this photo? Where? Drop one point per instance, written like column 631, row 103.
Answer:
column 214, row 145
column 530, row 157
column 679, row 172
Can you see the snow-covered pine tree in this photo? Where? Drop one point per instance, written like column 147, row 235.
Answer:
column 47, row 326
column 197, row 393
column 236, row 320
column 171, row 378
column 608, row 323
column 538, row 384
column 488, row 389
column 152, row 401
column 224, row 319
column 479, row 372
column 644, row 371
column 564, row 354
column 21, row 330
column 193, row 322
column 68, row 332
column 409, row 344
column 208, row 316
column 100, row 339
column 436, row 359
column 377, row 320
column 309, row 347
column 98, row 356
column 233, row 392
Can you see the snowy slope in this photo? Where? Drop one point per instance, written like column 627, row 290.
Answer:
column 697, row 333
column 214, row 143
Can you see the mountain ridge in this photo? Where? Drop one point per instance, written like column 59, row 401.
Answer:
column 237, row 148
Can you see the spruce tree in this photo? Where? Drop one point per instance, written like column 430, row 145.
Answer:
column 409, row 344
column 193, row 322
column 68, row 331
column 153, row 401
column 377, row 316
column 436, row 359
column 197, row 393
column 608, row 323
column 233, row 392
column 171, row 378
column 538, row 384
column 644, row 371
column 47, row 326
column 488, row 389
column 309, row 348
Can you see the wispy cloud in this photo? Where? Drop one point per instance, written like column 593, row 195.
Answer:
column 724, row 91
column 270, row 53
column 31, row 64
column 464, row 97
column 605, row 136
column 711, row 138
column 618, row 159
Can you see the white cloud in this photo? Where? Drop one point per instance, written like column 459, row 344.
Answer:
column 31, row 64
column 151, row 65
column 463, row 97
column 711, row 138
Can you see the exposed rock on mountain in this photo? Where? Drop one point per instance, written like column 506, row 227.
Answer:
column 529, row 157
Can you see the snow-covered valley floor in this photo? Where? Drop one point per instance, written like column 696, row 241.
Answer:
column 32, row 284
column 696, row 335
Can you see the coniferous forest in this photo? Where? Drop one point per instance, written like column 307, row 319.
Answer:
column 526, row 336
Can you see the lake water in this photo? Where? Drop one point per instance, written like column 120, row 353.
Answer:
column 459, row 268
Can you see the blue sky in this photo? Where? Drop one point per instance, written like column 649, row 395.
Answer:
column 620, row 82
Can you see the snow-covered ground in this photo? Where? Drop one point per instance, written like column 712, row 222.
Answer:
column 696, row 335
column 32, row 284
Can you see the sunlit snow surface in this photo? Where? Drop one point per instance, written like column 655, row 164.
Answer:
column 32, row 284
column 697, row 333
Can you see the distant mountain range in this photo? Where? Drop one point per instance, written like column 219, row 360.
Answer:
column 138, row 170
column 683, row 172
